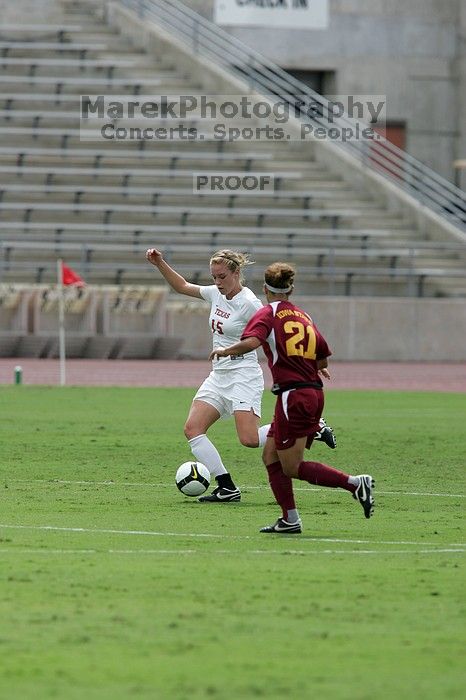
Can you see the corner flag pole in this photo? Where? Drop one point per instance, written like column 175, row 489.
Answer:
column 61, row 322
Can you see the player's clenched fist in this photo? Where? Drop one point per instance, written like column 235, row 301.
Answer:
column 154, row 256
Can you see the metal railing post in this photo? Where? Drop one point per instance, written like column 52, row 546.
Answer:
column 196, row 37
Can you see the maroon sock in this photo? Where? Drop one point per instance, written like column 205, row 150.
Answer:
column 282, row 488
column 323, row 475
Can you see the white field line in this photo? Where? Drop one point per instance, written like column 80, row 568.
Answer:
column 176, row 552
column 205, row 535
column 245, row 488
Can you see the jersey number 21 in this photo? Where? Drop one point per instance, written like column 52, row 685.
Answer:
column 301, row 340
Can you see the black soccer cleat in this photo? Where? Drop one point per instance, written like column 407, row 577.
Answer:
column 222, row 495
column 326, row 434
column 281, row 527
column 363, row 494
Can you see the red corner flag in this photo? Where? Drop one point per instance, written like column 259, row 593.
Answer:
column 69, row 276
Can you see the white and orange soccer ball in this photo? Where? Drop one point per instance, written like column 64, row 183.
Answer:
column 192, row 478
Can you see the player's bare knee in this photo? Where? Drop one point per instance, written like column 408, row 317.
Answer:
column 269, row 456
column 289, row 470
column 191, row 431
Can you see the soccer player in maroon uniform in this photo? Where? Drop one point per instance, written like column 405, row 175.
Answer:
column 297, row 355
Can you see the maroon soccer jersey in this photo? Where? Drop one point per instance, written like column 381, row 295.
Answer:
column 291, row 342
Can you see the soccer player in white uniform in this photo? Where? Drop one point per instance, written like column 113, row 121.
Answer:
column 234, row 386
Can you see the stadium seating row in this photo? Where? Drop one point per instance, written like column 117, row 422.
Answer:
column 110, row 212
column 71, row 84
column 95, row 156
column 154, row 194
column 182, row 253
column 324, row 279
column 209, row 236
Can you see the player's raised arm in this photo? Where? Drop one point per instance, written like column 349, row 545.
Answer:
column 176, row 281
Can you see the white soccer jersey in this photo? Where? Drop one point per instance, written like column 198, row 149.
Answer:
column 227, row 320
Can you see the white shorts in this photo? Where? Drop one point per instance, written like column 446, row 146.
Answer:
column 230, row 391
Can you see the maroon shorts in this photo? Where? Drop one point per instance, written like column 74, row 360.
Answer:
column 297, row 415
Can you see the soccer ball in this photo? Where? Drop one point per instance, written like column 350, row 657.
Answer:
column 192, row 478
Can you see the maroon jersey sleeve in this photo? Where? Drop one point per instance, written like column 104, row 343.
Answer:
column 260, row 325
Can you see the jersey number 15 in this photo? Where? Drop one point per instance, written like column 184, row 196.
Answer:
column 217, row 327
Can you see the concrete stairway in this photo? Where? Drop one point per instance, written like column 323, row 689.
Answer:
column 100, row 203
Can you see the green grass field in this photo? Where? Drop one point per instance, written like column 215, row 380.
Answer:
column 114, row 585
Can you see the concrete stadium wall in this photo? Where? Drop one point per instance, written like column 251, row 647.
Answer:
column 413, row 51
column 418, row 330
column 357, row 328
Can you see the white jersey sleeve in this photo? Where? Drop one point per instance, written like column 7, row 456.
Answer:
column 227, row 320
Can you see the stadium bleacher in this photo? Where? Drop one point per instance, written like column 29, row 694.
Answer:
column 101, row 203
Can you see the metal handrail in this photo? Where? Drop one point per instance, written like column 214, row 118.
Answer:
column 208, row 40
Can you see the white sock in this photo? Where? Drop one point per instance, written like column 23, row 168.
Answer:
column 206, row 452
column 322, row 424
column 263, row 430
column 292, row 516
column 354, row 480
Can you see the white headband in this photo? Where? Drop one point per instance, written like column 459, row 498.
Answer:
column 277, row 290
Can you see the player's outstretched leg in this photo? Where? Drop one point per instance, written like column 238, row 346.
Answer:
column 361, row 486
column 326, row 434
